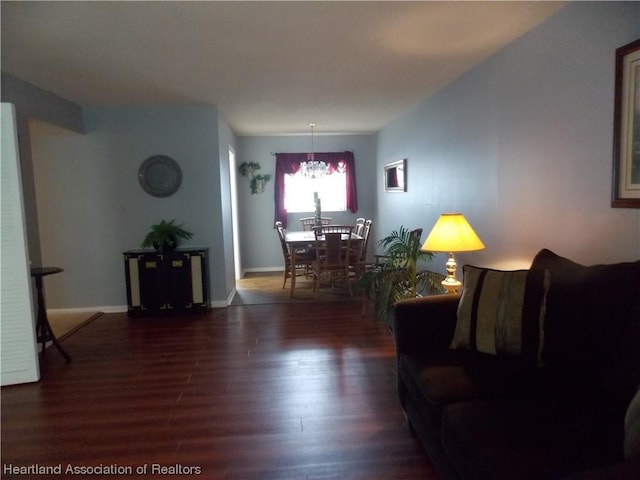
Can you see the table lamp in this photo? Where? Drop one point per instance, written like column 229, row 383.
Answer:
column 452, row 233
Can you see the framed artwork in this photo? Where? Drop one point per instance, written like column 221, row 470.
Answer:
column 626, row 128
column 395, row 176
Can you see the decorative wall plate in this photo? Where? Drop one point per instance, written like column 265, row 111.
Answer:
column 160, row 176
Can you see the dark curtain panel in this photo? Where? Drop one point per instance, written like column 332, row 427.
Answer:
column 289, row 164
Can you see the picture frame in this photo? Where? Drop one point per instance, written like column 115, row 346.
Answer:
column 626, row 128
column 395, row 176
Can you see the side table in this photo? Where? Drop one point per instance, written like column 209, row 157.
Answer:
column 43, row 329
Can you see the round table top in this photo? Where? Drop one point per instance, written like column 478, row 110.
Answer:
column 42, row 271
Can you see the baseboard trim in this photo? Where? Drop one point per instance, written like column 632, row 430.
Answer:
column 263, row 269
column 229, row 298
column 103, row 309
column 125, row 309
column 114, row 309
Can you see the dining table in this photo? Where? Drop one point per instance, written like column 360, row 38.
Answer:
column 303, row 239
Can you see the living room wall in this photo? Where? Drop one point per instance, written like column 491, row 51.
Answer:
column 260, row 248
column 91, row 207
column 522, row 146
column 32, row 102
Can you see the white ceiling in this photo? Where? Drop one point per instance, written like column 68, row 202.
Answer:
column 270, row 67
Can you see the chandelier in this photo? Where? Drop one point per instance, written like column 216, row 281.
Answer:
column 313, row 168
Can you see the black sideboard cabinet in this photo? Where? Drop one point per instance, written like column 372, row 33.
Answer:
column 169, row 282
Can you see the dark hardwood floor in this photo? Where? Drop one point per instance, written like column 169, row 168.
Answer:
column 280, row 391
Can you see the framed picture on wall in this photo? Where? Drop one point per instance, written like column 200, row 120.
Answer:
column 395, row 176
column 626, row 128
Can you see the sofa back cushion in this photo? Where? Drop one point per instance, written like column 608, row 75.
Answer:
column 591, row 325
column 502, row 313
column 632, row 428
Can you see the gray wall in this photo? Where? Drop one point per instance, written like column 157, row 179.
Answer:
column 260, row 248
column 34, row 103
column 91, row 207
column 522, row 146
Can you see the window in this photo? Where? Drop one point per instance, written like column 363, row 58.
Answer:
column 294, row 193
column 332, row 190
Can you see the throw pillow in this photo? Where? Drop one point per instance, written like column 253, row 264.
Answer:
column 632, row 428
column 589, row 310
column 502, row 313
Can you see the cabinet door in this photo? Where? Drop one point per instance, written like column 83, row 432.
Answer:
column 199, row 280
column 178, row 278
column 153, row 289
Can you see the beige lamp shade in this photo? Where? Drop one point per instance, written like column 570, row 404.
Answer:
column 452, row 233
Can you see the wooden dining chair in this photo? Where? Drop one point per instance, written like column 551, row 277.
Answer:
column 416, row 233
column 343, row 229
column 333, row 256
column 359, row 228
column 359, row 262
column 309, row 222
column 304, row 257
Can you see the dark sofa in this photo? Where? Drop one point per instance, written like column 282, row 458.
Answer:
column 498, row 415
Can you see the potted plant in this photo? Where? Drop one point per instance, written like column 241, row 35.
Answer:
column 165, row 236
column 247, row 168
column 400, row 274
column 257, row 182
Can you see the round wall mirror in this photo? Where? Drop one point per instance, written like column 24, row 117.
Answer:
column 160, row 176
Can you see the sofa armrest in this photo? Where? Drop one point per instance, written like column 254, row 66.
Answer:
column 629, row 468
column 425, row 323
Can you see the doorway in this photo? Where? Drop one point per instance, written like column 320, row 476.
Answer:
column 237, row 264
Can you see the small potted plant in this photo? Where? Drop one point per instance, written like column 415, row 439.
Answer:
column 165, row 236
column 257, row 182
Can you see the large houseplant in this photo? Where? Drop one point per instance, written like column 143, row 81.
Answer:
column 165, row 236
column 401, row 273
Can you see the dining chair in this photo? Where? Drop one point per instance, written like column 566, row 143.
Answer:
column 359, row 226
column 333, row 256
column 343, row 229
column 416, row 233
column 304, row 257
column 359, row 263
column 309, row 222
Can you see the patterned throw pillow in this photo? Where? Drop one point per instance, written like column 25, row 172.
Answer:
column 502, row 313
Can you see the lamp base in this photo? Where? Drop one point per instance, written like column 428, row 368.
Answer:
column 451, row 285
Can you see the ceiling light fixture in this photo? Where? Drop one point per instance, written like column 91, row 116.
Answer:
column 313, row 169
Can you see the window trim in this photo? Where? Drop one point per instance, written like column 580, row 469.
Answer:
column 289, row 164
